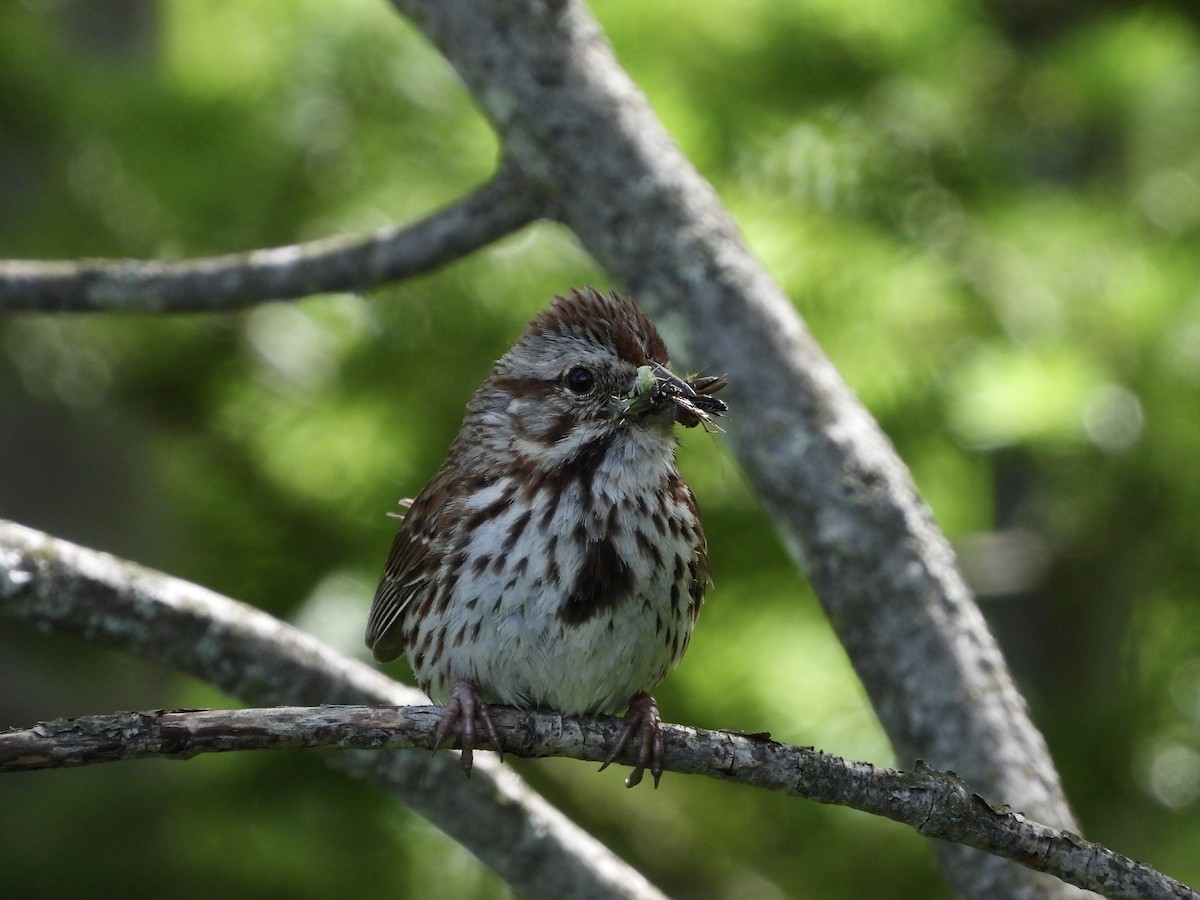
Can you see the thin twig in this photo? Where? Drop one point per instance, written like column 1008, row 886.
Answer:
column 497, row 208
column 936, row 804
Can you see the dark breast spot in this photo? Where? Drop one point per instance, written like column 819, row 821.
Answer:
column 515, row 530
column 603, row 581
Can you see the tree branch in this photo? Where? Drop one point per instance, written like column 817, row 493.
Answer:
column 503, row 205
column 840, row 496
column 574, row 125
column 936, row 804
column 61, row 587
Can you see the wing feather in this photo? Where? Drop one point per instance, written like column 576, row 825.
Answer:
column 410, row 574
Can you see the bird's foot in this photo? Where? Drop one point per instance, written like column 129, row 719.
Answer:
column 465, row 708
column 641, row 719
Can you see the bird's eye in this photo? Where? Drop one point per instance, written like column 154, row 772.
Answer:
column 580, row 380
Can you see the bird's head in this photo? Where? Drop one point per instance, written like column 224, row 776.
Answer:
column 594, row 363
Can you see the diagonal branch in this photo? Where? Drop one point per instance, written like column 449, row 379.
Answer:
column 68, row 589
column 499, row 207
column 842, row 499
column 936, row 804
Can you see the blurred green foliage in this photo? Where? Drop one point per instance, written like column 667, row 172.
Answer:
column 988, row 214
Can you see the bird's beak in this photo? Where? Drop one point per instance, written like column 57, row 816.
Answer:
column 655, row 387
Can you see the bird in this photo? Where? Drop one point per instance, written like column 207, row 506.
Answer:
column 556, row 560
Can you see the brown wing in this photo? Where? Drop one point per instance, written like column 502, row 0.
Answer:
column 411, row 571
column 699, row 570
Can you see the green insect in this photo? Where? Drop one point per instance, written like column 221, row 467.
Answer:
column 643, row 397
column 655, row 385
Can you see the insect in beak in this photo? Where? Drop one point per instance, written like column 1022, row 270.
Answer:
column 655, row 387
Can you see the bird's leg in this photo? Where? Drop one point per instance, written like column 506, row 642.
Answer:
column 643, row 720
column 466, row 709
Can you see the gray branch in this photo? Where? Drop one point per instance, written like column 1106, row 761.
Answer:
column 936, row 804
column 574, row 127
column 503, row 205
column 845, row 504
column 61, row 587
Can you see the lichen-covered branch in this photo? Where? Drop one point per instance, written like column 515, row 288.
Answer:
column 62, row 587
column 503, row 205
column 937, row 804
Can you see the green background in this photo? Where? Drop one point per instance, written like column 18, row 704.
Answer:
column 988, row 214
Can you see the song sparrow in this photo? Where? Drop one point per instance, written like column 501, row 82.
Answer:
column 556, row 560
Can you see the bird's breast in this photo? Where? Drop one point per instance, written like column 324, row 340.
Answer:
column 571, row 594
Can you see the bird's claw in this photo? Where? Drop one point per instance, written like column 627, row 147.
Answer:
column 641, row 719
column 465, row 708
